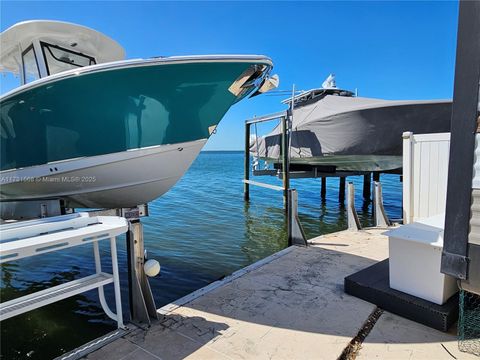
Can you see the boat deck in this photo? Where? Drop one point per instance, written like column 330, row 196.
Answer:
column 290, row 305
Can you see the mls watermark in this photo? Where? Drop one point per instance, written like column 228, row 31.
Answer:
column 48, row 179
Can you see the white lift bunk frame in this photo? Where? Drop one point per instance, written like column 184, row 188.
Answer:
column 35, row 237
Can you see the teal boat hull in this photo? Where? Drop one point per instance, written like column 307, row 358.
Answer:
column 48, row 126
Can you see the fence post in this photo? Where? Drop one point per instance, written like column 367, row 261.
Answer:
column 407, row 176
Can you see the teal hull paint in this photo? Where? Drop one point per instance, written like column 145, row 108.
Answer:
column 115, row 110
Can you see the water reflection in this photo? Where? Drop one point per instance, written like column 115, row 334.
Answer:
column 199, row 231
column 51, row 330
column 265, row 231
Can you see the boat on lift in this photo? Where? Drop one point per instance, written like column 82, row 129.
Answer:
column 98, row 131
column 335, row 130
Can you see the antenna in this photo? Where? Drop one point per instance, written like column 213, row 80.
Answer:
column 329, row 82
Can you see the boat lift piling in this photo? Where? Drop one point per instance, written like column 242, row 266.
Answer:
column 286, row 128
column 296, row 235
column 381, row 218
column 246, row 186
column 142, row 304
column 352, row 218
column 367, row 186
column 341, row 190
column 323, row 189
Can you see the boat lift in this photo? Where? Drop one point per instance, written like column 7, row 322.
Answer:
column 50, row 216
column 286, row 169
column 35, row 237
column 284, row 118
column 142, row 304
column 296, row 234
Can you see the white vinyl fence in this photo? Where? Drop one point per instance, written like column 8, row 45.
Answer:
column 425, row 172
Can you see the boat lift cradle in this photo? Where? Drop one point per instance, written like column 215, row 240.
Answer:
column 29, row 238
column 296, row 234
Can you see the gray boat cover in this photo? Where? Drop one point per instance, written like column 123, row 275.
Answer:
column 341, row 125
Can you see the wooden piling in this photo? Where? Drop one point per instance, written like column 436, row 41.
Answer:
column 341, row 190
column 367, row 186
column 323, row 189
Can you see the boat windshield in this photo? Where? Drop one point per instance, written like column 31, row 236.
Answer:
column 30, row 65
column 58, row 59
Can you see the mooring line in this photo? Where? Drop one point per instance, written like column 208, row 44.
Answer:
column 354, row 346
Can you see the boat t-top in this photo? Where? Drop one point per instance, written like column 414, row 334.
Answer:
column 97, row 131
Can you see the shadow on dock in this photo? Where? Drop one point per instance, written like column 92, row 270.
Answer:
column 291, row 305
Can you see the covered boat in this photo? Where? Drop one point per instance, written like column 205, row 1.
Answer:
column 334, row 130
column 98, row 131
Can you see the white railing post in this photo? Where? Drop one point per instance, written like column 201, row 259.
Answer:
column 407, row 176
column 101, row 292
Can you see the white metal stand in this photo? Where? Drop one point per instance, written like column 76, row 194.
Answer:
column 142, row 304
column 28, row 238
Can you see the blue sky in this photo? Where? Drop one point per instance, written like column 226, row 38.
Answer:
column 392, row 50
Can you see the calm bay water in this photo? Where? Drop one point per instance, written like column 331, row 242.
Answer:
column 199, row 231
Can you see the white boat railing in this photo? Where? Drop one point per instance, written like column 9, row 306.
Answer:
column 29, row 238
column 425, row 173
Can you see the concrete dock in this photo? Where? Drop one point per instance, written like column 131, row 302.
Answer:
column 290, row 305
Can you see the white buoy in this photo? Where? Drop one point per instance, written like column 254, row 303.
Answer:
column 151, row 267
